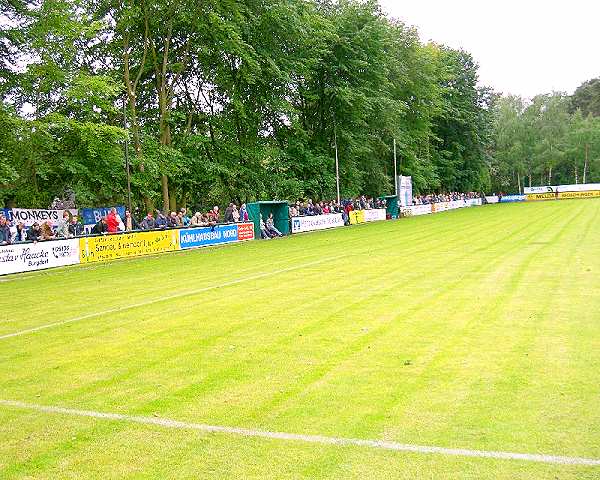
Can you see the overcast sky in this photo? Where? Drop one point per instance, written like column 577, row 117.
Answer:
column 523, row 47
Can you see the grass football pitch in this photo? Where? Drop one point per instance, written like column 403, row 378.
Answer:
column 476, row 329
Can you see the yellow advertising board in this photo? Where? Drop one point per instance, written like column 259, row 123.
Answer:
column 110, row 247
column 588, row 194
column 541, row 196
column 357, row 216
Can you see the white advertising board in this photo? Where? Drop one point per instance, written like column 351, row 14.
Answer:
column 31, row 215
column 26, row 257
column 316, row 222
column 416, row 210
column 375, row 215
column 581, row 187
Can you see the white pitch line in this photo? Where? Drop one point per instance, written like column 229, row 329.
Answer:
column 294, row 437
column 168, row 297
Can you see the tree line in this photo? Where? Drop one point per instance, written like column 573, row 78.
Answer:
column 221, row 100
column 551, row 140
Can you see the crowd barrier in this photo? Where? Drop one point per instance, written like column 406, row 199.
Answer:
column 580, row 187
column 316, row 222
column 513, row 198
column 415, row 210
column 27, row 257
column 364, row 216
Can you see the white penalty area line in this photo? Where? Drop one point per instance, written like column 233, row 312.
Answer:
column 294, row 437
column 170, row 297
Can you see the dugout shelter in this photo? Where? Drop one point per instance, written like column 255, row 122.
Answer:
column 281, row 215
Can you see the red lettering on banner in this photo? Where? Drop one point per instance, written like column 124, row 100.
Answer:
column 245, row 231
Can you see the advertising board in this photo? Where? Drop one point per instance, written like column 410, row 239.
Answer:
column 26, row 257
column 110, row 247
column 316, row 222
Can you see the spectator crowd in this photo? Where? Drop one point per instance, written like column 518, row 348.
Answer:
column 69, row 226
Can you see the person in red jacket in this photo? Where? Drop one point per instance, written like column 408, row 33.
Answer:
column 112, row 222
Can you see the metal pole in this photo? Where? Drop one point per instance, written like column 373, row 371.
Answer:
column 395, row 171
column 337, row 164
column 127, row 157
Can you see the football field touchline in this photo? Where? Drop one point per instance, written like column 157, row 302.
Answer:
column 295, row 437
column 170, row 297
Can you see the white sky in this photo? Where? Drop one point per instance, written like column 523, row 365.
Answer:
column 523, row 47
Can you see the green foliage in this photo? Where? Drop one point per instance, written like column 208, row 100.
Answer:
column 233, row 100
column 544, row 142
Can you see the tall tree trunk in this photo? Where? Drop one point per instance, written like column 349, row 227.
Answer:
column 576, row 174
column 519, row 182
column 585, row 165
column 131, row 89
column 550, row 175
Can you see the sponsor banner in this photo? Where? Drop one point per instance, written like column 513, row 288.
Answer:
column 405, row 190
column 439, row 207
column 544, row 189
column 454, row 204
column 91, row 216
column 513, row 198
column 356, row 217
column 26, row 257
column 375, row 215
column 110, row 247
column 316, row 222
column 580, row 187
column 415, row 210
column 475, row 202
column 245, row 231
column 31, row 215
column 531, row 197
column 589, row 194
column 204, row 236
column 492, row 199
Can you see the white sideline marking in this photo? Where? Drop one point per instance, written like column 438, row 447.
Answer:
column 168, row 297
column 318, row 439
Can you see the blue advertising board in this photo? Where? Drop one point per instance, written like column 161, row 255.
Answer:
column 202, row 236
column 91, row 216
column 513, row 198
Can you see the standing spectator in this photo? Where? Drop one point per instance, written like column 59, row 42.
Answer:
column 173, row 221
column 183, row 217
column 161, row 220
column 243, row 213
column 46, row 231
column 270, row 226
column 236, row 213
column 5, row 235
column 101, row 228
column 63, row 226
column 148, row 223
column 130, row 223
column 75, row 228
column 34, row 233
column 229, row 214
column 196, row 220
column 120, row 224
column 21, row 233
column 112, row 223
column 213, row 215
